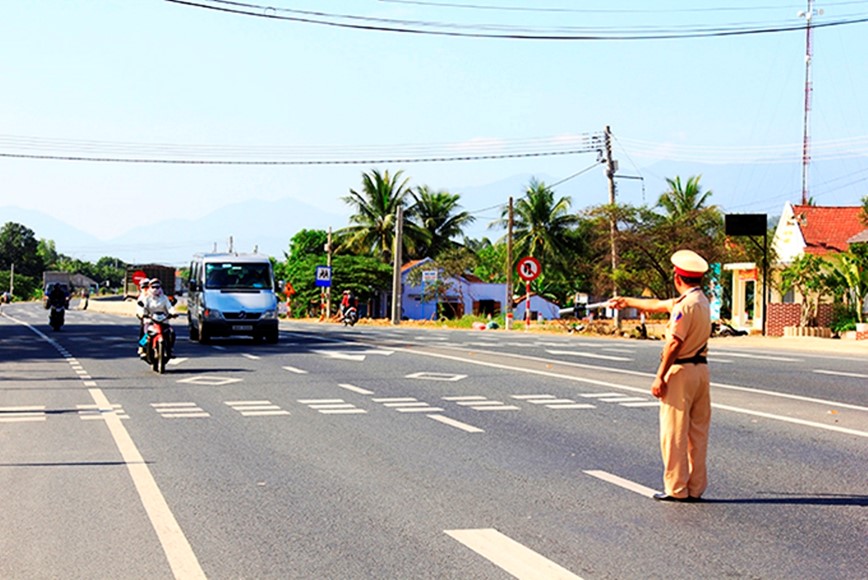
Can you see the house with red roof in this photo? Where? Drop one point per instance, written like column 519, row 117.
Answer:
column 802, row 229
column 817, row 230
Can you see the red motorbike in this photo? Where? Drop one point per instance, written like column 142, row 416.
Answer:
column 158, row 341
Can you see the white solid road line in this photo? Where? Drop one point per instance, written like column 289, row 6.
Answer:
column 457, row 424
column 589, row 355
column 355, row 389
column 757, row 356
column 511, row 556
column 621, row 482
column 840, row 374
column 178, row 552
column 643, row 391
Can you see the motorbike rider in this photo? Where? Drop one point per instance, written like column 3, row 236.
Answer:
column 153, row 301
column 347, row 301
column 58, row 296
column 144, row 285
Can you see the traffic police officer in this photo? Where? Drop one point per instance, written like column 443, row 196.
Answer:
column 682, row 380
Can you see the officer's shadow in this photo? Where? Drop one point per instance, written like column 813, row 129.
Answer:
column 826, row 499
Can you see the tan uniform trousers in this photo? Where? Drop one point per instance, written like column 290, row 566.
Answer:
column 685, row 416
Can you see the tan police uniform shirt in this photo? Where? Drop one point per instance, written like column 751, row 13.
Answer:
column 690, row 321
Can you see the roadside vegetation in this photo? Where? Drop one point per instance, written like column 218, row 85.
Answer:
column 574, row 246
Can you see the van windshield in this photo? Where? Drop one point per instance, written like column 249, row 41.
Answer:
column 236, row 276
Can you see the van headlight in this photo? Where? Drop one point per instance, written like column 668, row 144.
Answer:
column 269, row 315
column 211, row 314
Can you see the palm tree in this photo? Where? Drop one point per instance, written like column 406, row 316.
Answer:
column 372, row 228
column 541, row 224
column 683, row 200
column 437, row 214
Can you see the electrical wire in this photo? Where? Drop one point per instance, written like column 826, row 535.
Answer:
column 498, row 31
column 501, row 8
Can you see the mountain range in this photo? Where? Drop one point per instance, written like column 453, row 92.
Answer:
column 267, row 226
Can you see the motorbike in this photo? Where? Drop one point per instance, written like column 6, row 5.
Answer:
column 350, row 316
column 158, row 341
column 56, row 316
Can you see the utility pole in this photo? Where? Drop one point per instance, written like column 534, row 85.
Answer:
column 509, row 268
column 611, row 168
column 809, row 89
column 396, row 265
column 328, row 290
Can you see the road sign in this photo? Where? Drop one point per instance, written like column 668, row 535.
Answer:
column 323, row 276
column 138, row 276
column 529, row 268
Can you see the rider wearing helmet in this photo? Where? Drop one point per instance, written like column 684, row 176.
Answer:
column 151, row 302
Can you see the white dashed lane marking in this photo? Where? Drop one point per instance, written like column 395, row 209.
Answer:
column 407, row 405
column 480, row 403
column 179, row 410
column 552, row 402
column 22, row 414
column 332, row 406
column 257, row 408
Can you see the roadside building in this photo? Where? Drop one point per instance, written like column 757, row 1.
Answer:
column 802, row 229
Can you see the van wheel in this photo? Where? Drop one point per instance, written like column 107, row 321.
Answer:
column 194, row 332
column 272, row 337
column 204, row 335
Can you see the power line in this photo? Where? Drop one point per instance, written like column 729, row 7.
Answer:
column 498, row 31
column 502, row 8
column 154, row 160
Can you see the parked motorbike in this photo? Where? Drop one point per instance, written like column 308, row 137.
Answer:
column 56, row 314
column 158, row 341
column 350, row 316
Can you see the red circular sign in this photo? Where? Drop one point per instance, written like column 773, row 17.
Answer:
column 138, row 276
column 529, row 268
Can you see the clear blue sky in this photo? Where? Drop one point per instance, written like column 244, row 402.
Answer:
column 155, row 79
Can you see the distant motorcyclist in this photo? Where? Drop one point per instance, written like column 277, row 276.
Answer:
column 58, row 295
column 153, row 301
column 347, row 301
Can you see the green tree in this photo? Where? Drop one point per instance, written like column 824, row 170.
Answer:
column 437, row 213
column 805, row 275
column 372, row 226
column 366, row 276
column 848, row 277
column 683, row 200
column 18, row 246
column 541, row 227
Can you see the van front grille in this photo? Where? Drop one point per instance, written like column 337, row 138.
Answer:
column 241, row 315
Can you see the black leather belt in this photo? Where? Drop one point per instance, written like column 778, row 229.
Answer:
column 696, row 359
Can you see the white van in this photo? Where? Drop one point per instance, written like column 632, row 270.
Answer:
column 231, row 294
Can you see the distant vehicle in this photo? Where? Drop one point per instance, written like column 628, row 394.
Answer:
column 136, row 273
column 52, row 277
column 158, row 341
column 231, row 294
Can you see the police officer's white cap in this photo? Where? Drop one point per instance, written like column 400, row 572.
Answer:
column 689, row 264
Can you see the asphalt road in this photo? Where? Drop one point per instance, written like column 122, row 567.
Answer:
column 408, row 453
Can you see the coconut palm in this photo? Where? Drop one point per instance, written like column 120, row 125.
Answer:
column 372, row 228
column 437, row 214
column 541, row 224
column 682, row 200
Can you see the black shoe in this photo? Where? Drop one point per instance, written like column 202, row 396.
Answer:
column 692, row 499
column 663, row 496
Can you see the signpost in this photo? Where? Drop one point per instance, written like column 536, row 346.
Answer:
column 529, row 269
column 428, row 277
column 323, row 280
